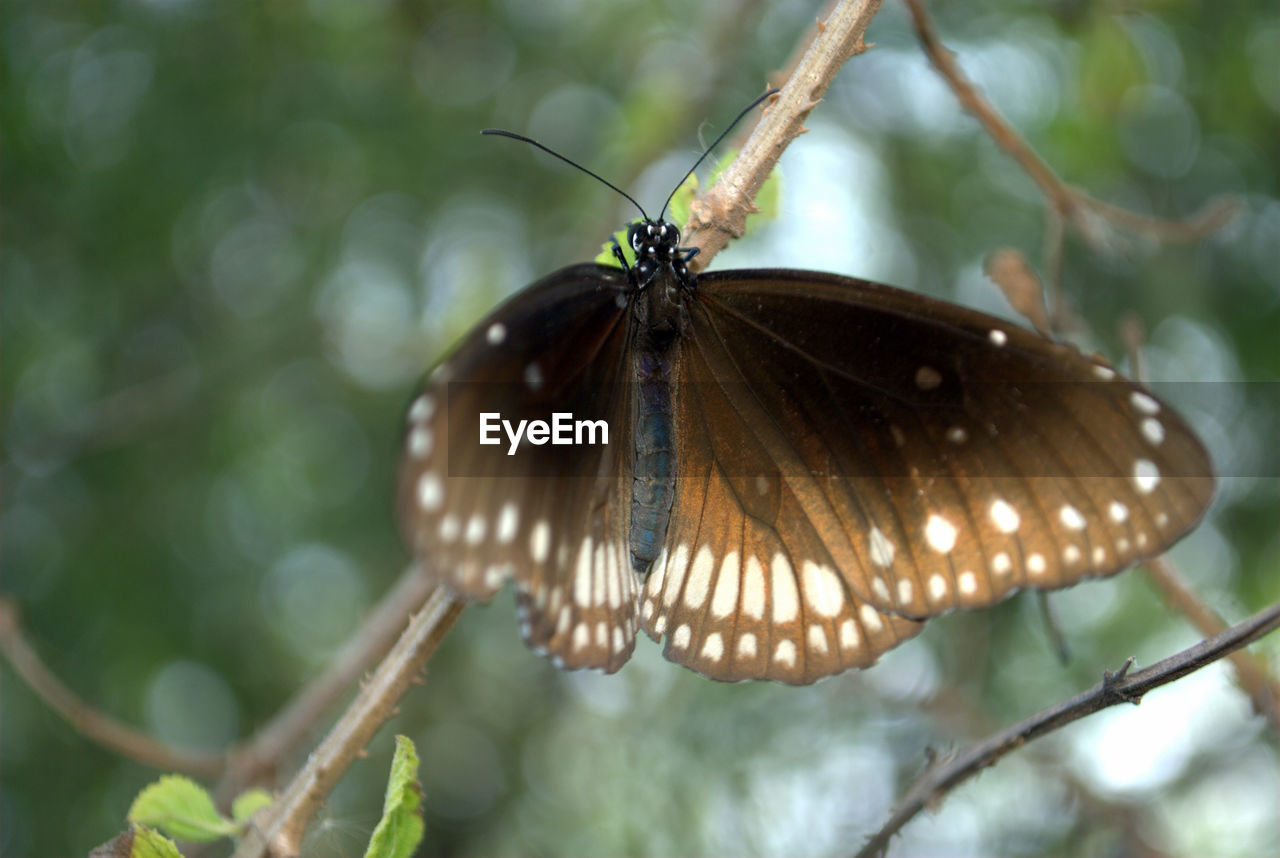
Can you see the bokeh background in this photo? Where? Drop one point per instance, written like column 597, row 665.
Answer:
column 235, row 233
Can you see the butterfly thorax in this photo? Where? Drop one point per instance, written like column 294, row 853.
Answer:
column 659, row 317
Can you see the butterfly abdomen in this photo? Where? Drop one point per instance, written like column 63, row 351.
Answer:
column 653, row 477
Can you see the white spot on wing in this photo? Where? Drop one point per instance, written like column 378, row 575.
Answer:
column 753, row 588
column 870, row 618
column 533, row 377
column 848, row 635
column 1071, row 517
column 1152, row 430
column 475, row 529
column 786, row 603
column 508, row 518
column 1118, row 512
column 940, row 534
column 540, row 542
column 818, row 639
column 1004, row 516
column 699, row 583
column 998, row 337
column 430, row 492
column 496, row 334
column 747, row 645
column 927, row 378
column 1036, row 564
column 937, row 587
column 1144, row 403
column 450, row 528
column 822, row 589
column 904, row 591
column 880, row 547
column 713, row 647
column 419, row 442
column 1001, row 564
column 676, row 567
column 680, row 639
column 968, row 583
column 785, row 653
column 422, row 409
column 1146, row 476
column 582, row 575
column 725, row 599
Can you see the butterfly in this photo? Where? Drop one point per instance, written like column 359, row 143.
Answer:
column 777, row 474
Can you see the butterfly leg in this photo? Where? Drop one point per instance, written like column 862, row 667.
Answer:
column 618, row 254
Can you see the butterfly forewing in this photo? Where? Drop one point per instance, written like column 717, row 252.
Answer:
column 944, row 458
column 550, row 516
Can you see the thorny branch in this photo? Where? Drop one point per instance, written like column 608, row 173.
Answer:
column 1121, row 686
column 277, row 830
column 720, row 215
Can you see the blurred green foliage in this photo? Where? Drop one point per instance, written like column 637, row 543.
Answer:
column 235, row 233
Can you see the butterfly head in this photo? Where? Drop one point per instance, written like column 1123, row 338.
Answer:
column 657, row 245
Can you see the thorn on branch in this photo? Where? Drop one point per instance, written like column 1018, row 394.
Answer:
column 1112, row 691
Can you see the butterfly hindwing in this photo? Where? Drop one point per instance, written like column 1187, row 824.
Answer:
column 746, row 587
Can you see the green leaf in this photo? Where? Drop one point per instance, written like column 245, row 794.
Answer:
column 400, row 830
column 248, row 803
column 149, row 843
column 606, row 257
column 138, row 842
column 181, row 808
column 682, row 200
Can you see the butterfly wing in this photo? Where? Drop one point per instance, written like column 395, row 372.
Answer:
column 552, row 516
column 856, row 457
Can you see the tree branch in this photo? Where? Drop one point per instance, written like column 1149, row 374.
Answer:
column 95, row 725
column 278, row 829
column 1118, row 687
column 720, row 215
column 257, row 760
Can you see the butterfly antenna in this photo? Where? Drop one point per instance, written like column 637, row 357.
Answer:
column 723, row 134
column 500, row 133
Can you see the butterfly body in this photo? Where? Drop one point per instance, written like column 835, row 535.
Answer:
column 800, row 467
column 660, row 286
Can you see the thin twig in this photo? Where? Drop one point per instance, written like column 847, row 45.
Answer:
column 1067, row 205
column 256, row 760
column 278, row 829
column 1164, row 574
column 95, row 725
column 1119, row 687
column 720, row 215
